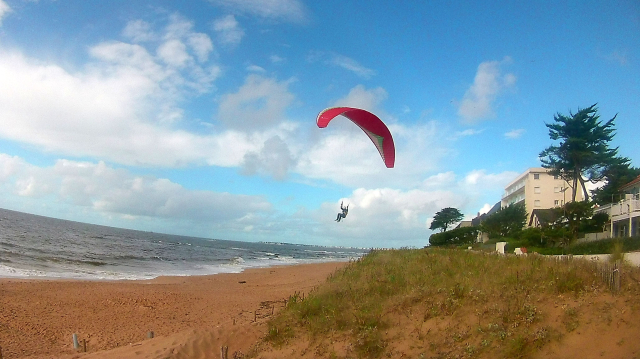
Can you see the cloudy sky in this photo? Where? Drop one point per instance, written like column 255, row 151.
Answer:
column 198, row 117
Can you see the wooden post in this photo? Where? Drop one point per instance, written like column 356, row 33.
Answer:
column 255, row 316
column 150, row 335
column 84, row 345
column 76, row 345
column 224, row 351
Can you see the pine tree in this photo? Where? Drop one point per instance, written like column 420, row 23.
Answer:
column 583, row 153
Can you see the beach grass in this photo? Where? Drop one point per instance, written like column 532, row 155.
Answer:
column 440, row 302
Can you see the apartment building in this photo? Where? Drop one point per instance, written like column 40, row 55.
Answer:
column 624, row 215
column 537, row 189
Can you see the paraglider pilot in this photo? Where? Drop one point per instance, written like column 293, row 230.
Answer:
column 345, row 211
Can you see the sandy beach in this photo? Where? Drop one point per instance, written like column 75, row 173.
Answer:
column 190, row 317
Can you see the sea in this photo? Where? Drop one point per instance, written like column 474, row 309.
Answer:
column 33, row 246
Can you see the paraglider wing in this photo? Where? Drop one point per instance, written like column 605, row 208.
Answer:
column 370, row 124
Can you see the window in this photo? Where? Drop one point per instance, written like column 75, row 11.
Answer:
column 536, row 176
column 536, row 190
column 556, row 202
column 556, row 189
column 536, row 203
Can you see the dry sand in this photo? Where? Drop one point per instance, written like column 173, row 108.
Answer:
column 191, row 317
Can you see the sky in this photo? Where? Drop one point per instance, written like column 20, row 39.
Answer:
column 198, row 118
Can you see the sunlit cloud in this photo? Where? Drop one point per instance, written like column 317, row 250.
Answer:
column 489, row 83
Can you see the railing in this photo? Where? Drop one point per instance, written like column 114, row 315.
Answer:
column 625, row 207
column 513, row 189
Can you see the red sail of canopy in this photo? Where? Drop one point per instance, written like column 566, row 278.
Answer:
column 370, row 124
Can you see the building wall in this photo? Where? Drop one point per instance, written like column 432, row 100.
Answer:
column 539, row 190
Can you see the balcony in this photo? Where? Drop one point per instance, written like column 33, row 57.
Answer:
column 625, row 209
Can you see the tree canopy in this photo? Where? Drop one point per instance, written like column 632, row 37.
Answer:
column 445, row 218
column 507, row 222
column 616, row 176
column 583, row 153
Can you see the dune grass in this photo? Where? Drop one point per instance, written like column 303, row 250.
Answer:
column 363, row 301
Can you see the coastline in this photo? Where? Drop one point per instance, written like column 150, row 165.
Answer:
column 39, row 316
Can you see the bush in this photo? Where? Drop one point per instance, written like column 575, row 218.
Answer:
column 463, row 235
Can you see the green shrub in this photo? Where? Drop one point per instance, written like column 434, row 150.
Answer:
column 458, row 236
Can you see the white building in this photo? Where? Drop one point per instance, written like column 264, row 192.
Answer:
column 537, row 189
column 625, row 215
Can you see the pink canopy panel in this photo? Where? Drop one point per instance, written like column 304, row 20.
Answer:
column 370, row 124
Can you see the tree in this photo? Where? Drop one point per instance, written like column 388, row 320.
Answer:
column 445, row 218
column 583, row 153
column 507, row 222
column 458, row 236
column 616, row 176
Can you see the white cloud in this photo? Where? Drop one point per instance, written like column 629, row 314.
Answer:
column 402, row 217
column 138, row 31
column 276, row 59
column 485, row 209
column 341, row 61
column 259, row 103
column 513, row 134
column 123, row 106
column 360, row 97
column 201, row 45
column 352, row 65
column 282, row 10
column 117, row 191
column 619, row 57
column 256, row 68
column 274, row 159
column 468, row 132
column 489, row 82
column 174, row 53
column 228, row 29
column 4, row 10
column 344, row 154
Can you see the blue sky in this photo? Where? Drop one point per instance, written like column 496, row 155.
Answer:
column 199, row 118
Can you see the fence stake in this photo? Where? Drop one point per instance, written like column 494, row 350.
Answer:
column 150, row 335
column 84, row 345
column 76, row 345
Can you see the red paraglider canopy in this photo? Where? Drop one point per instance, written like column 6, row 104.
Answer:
column 370, row 124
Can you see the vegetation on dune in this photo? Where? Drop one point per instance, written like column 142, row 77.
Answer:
column 601, row 246
column 425, row 298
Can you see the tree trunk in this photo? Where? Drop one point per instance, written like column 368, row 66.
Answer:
column 574, row 188
column 584, row 189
